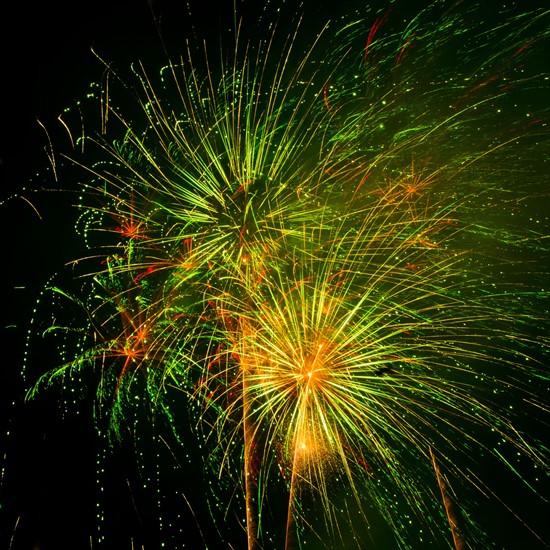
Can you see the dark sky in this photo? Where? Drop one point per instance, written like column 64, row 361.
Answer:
column 49, row 491
column 47, row 63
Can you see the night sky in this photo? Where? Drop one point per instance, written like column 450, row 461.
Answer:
column 49, row 492
column 50, row 449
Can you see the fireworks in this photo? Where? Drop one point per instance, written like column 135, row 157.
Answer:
column 324, row 255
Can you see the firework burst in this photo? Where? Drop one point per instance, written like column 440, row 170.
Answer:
column 364, row 354
column 319, row 260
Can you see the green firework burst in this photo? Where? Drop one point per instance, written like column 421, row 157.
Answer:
column 327, row 256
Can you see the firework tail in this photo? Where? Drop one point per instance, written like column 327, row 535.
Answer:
column 458, row 541
column 248, row 443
